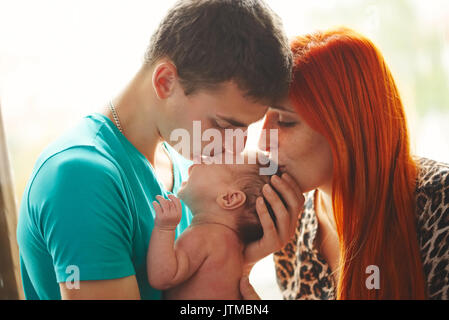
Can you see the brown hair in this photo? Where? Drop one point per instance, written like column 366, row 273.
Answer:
column 215, row 41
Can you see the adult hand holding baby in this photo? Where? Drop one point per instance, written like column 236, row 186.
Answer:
column 275, row 237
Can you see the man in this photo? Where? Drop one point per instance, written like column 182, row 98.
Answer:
column 86, row 213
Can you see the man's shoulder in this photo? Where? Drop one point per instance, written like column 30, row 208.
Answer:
column 78, row 147
column 66, row 166
column 74, row 162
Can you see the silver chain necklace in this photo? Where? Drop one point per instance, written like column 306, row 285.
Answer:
column 117, row 123
column 115, row 116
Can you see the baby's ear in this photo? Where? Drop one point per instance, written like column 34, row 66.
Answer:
column 231, row 200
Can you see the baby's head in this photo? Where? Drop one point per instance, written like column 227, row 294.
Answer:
column 231, row 191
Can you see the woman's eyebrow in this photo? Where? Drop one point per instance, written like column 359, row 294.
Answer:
column 233, row 121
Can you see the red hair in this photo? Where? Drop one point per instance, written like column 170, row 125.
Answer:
column 344, row 90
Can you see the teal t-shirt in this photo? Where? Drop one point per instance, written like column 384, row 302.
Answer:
column 87, row 210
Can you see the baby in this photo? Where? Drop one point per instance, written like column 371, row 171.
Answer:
column 206, row 261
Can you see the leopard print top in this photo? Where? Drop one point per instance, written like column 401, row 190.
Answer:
column 303, row 273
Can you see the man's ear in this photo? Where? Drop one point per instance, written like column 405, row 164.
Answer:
column 232, row 199
column 164, row 79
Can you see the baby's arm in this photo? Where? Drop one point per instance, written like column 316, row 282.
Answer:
column 169, row 264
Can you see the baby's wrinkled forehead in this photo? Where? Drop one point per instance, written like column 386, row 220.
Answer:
column 251, row 157
column 247, row 162
column 243, row 168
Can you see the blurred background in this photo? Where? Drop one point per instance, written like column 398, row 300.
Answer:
column 63, row 59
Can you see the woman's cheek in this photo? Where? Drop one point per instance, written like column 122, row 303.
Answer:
column 292, row 145
column 289, row 155
column 305, row 155
column 317, row 162
column 284, row 147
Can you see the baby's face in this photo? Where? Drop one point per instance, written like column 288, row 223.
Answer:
column 206, row 182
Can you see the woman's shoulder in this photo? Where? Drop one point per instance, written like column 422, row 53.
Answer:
column 432, row 187
column 432, row 196
column 432, row 175
column 432, row 190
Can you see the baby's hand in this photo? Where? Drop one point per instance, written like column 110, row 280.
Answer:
column 168, row 212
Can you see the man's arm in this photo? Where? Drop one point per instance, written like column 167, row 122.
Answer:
column 115, row 289
column 169, row 264
column 85, row 223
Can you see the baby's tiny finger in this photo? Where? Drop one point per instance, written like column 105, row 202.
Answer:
column 164, row 202
column 171, row 204
column 176, row 201
column 157, row 208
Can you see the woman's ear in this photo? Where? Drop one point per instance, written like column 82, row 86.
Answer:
column 231, row 200
column 164, row 79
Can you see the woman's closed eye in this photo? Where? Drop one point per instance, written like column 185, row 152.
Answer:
column 286, row 120
column 286, row 124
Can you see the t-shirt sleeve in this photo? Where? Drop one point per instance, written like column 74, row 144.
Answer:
column 80, row 207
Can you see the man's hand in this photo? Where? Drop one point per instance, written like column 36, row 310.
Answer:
column 276, row 237
column 168, row 212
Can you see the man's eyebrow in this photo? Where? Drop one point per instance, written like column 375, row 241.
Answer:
column 278, row 107
column 233, row 121
column 282, row 108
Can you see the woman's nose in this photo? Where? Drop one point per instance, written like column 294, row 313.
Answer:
column 262, row 143
column 267, row 139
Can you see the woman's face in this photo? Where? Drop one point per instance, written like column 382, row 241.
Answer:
column 302, row 152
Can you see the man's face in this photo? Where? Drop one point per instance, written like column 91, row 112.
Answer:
column 223, row 108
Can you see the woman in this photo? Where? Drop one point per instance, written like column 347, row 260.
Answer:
column 376, row 220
